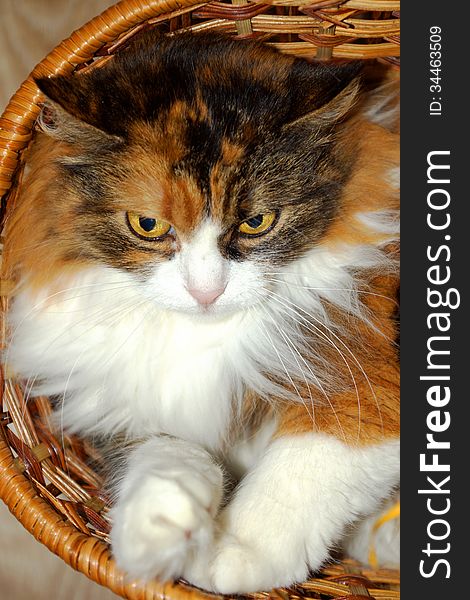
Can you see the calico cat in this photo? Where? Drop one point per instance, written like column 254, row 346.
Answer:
column 205, row 256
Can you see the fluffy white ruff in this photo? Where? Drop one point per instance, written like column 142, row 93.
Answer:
column 119, row 362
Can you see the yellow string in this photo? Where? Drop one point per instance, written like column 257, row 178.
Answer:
column 392, row 513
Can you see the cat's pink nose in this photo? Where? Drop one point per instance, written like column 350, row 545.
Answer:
column 206, row 297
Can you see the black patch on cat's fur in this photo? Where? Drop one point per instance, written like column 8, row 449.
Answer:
column 143, row 81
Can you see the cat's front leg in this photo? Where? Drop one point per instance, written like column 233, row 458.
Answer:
column 292, row 508
column 166, row 503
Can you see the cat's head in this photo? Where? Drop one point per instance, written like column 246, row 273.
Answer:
column 198, row 164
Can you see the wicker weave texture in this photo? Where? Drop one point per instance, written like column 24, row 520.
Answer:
column 46, row 482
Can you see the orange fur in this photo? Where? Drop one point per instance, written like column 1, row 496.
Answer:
column 372, row 414
column 368, row 188
column 29, row 246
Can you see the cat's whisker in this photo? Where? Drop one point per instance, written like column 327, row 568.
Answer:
column 117, row 314
column 28, row 386
column 297, row 231
column 323, row 288
column 322, row 389
column 64, row 395
column 84, row 295
column 39, row 304
column 292, row 348
column 353, row 356
column 315, row 329
column 28, row 390
column 250, row 311
column 63, row 398
column 294, row 351
column 269, row 338
column 110, row 285
column 147, row 312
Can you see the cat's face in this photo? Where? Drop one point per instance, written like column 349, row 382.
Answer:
column 199, row 165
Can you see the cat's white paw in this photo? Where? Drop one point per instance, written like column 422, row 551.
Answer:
column 165, row 519
column 233, row 566
column 255, row 551
column 241, row 567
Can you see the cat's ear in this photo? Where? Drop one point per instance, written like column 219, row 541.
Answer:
column 71, row 111
column 328, row 91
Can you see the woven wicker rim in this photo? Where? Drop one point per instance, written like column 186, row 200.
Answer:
column 83, row 552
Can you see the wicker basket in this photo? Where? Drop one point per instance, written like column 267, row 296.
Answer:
column 47, row 484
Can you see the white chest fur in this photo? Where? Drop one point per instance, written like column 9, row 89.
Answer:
column 121, row 363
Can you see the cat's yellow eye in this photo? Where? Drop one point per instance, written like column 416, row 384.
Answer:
column 147, row 227
column 258, row 225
